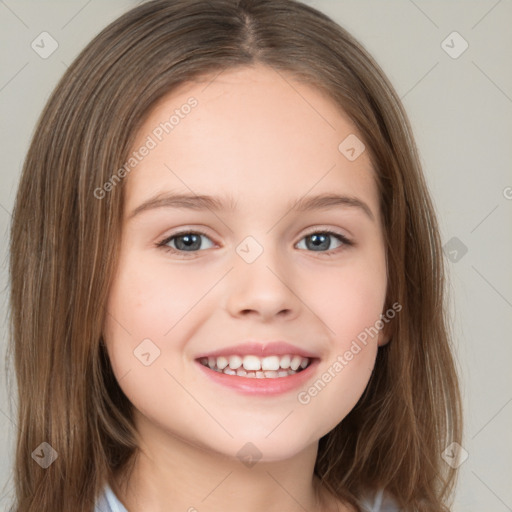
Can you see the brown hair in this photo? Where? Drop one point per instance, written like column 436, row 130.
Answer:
column 64, row 247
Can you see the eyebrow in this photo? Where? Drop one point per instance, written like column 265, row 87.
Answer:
column 206, row 202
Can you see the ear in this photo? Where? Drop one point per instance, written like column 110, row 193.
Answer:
column 383, row 339
column 385, row 334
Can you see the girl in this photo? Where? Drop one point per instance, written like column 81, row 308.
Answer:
column 226, row 275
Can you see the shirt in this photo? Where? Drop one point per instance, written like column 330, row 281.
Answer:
column 108, row 502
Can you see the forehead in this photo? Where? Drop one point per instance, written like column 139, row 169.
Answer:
column 252, row 132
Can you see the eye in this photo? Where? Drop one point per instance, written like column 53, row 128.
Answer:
column 185, row 241
column 190, row 241
column 320, row 240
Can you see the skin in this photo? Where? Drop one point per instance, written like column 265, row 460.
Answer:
column 254, row 136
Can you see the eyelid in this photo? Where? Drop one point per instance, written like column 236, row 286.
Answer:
column 345, row 240
column 183, row 232
column 325, row 229
column 312, row 230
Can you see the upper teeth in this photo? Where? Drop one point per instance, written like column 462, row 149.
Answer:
column 256, row 363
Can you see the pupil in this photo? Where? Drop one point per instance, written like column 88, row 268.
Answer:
column 189, row 241
column 315, row 239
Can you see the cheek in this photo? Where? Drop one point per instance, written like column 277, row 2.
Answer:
column 153, row 310
column 149, row 302
column 147, row 309
column 350, row 299
column 353, row 317
column 350, row 302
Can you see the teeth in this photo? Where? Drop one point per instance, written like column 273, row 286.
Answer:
column 270, row 363
column 285, row 362
column 222, row 362
column 255, row 367
column 252, row 363
column 258, row 374
column 235, row 362
column 296, row 360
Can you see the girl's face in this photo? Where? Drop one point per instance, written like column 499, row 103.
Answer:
column 198, row 276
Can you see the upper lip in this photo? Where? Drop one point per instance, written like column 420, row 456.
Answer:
column 260, row 349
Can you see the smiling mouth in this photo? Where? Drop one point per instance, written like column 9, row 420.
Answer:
column 254, row 367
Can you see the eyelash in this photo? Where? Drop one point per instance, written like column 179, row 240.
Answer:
column 163, row 244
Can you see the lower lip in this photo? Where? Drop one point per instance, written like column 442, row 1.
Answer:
column 265, row 386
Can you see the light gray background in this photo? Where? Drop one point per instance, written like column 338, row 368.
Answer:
column 460, row 109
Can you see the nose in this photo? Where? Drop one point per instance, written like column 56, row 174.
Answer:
column 264, row 289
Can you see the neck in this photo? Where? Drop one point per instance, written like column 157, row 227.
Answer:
column 170, row 474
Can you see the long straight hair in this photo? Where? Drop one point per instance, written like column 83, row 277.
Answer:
column 65, row 241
